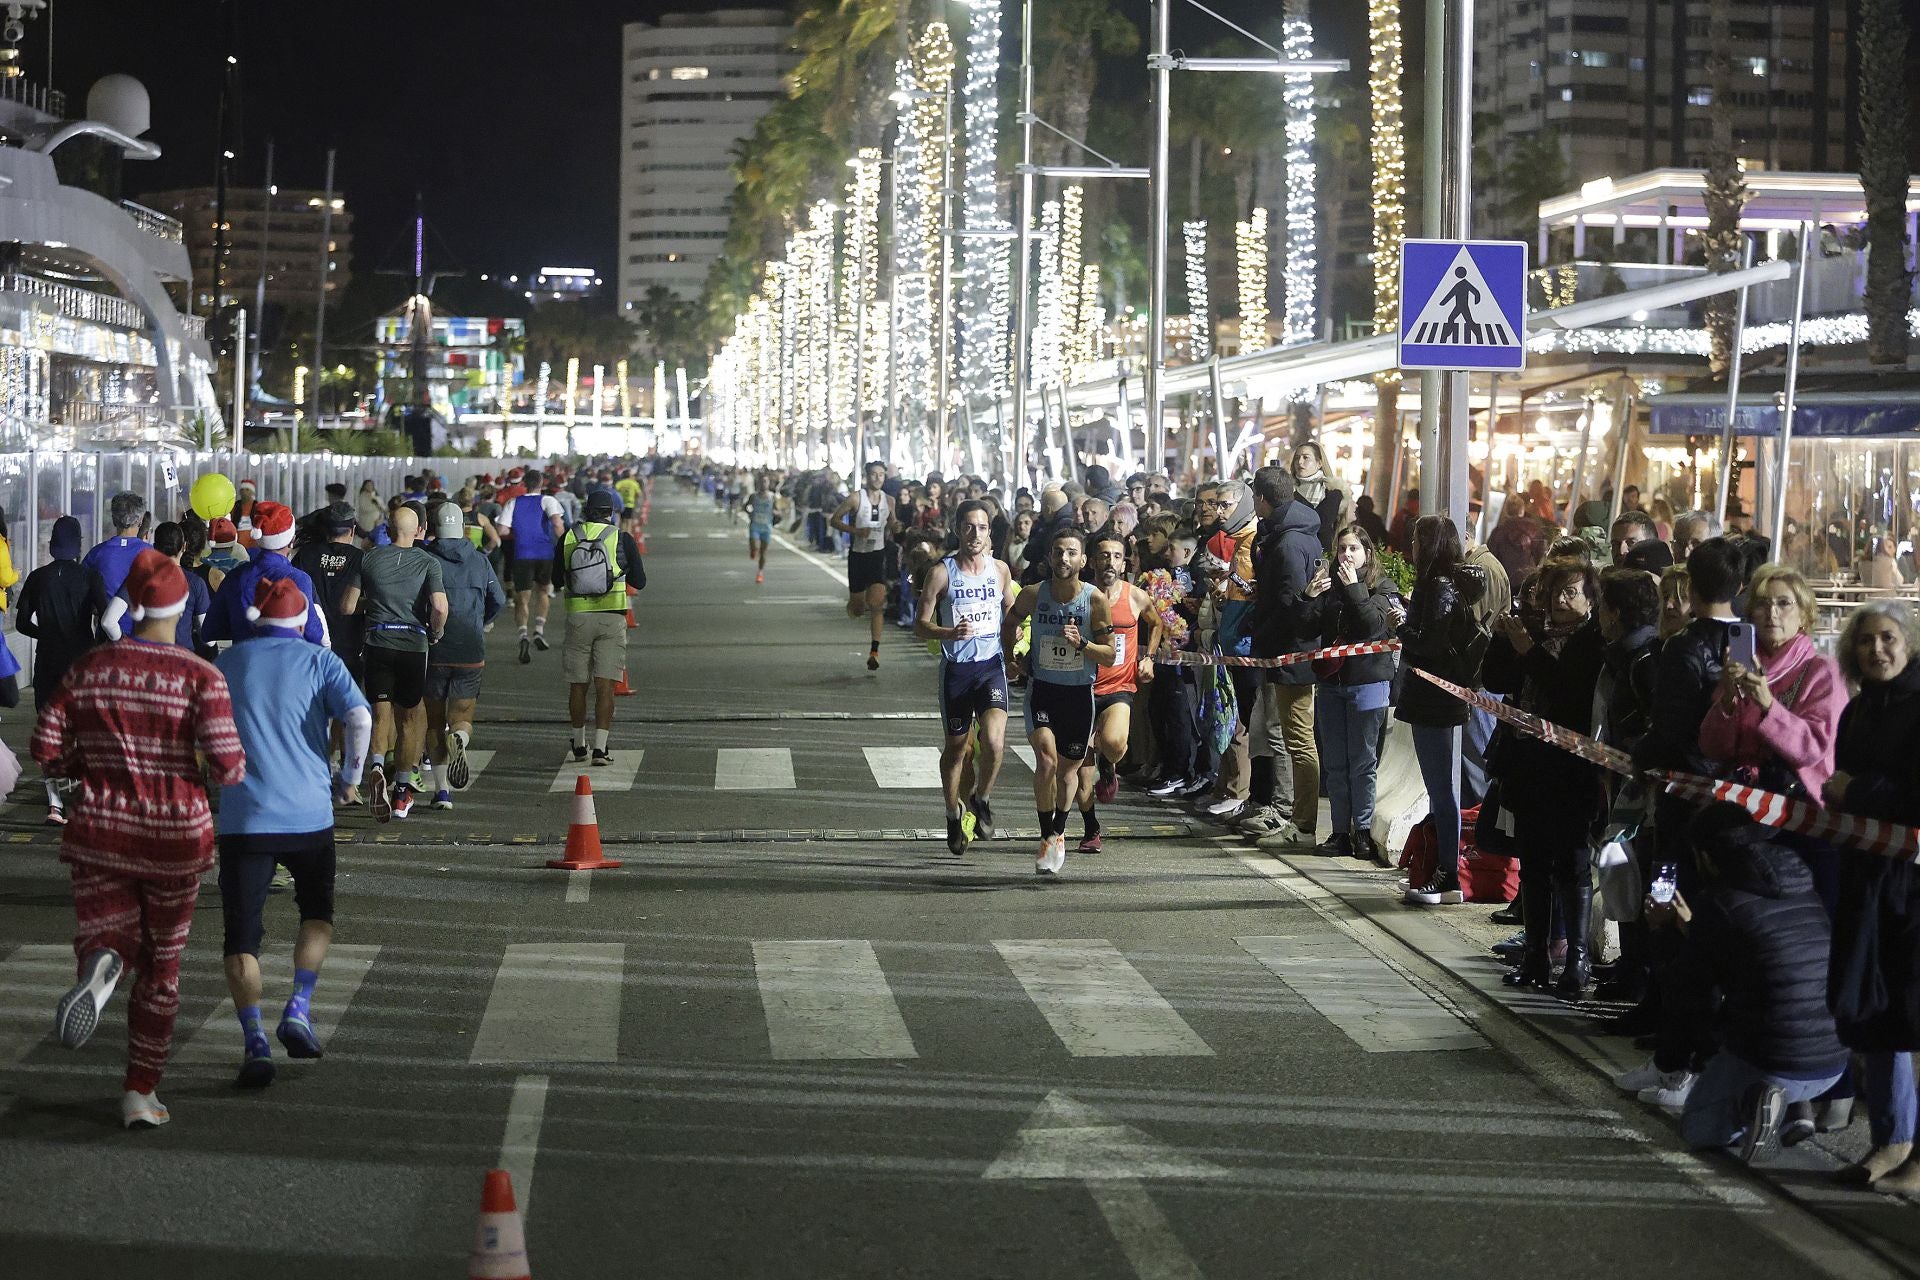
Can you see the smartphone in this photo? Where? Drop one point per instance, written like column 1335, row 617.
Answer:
column 1320, row 570
column 1741, row 647
column 1661, row 890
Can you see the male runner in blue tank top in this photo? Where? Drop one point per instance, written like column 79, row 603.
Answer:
column 962, row 605
column 1072, row 635
column 533, row 523
column 759, row 525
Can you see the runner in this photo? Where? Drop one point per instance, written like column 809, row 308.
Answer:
column 132, row 723
column 403, row 601
column 230, row 617
column 286, row 693
column 59, row 609
column 457, row 660
column 533, row 523
column 112, row 558
column 1136, row 635
column 595, row 562
column 868, row 516
column 333, row 566
column 1072, row 630
column 760, row 526
column 965, row 599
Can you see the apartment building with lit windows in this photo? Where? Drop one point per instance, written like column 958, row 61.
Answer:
column 694, row 85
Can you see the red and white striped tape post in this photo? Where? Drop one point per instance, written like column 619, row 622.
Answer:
column 1181, row 658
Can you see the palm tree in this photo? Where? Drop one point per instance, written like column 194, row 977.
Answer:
column 1883, row 173
column 1386, row 99
column 1726, row 191
column 1073, row 34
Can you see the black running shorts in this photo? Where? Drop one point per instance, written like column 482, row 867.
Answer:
column 1066, row 710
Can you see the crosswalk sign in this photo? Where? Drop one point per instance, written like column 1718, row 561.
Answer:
column 1463, row 305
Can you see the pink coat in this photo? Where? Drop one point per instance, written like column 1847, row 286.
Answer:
column 1800, row 736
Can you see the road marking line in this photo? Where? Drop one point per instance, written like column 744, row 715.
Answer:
column 1025, row 755
column 218, row 1039
column 579, row 885
column 32, row 980
column 679, row 535
column 520, row 1144
column 617, row 776
column 828, row 999
column 837, row 572
column 1098, row 1004
column 1376, row 1007
column 478, row 758
column 553, row 1002
column 753, row 769
column 903, row 768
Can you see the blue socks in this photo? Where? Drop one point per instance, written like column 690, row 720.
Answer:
column 303, row 980
column 257, row 1046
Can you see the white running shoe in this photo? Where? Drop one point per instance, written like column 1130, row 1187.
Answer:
column 142, row 1111
column 1672, row 1090
column 1043, row 861
column 1059, row 854
column 1226, row 808
column 78, row 1012
column 1644, row 1076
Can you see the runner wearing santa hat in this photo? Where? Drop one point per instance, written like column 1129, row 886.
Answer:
column 223, row 553
column 285, row 694
column 131, row 723
column 227, row 619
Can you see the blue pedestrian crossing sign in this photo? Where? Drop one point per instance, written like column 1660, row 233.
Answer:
column 1463, row 305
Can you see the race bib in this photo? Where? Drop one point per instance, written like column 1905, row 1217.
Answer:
column 1119, row 649
column 1053, row 653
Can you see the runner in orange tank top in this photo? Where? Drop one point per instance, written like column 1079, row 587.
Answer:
column 1136, row 633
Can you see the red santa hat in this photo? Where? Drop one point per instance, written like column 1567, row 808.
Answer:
column 249, row 486
column 155, row 587
column 278, row 603
column 222, row 533
column 273, row 526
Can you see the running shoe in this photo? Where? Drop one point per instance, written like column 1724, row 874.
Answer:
column 443, row 799
column 873, row 659
column 56, row 816
column 956, row 836
column 1171, row 787
column 1108, row 785
column 982, row 813
column 255, row 1073
column 1227, row 810
column 379, row 796
column 579, row 755
column 1043, row 861
column 1059, row 854
column 1196, row 787
column 540, row 641
column 1091, row 844
column 526, row 649
column 759, row 578
column 282, row 880
column 296, row 1034
column 78, row 1012
column 402, row 802
column 602, row 757
column 459, row 771
column 142, row 1111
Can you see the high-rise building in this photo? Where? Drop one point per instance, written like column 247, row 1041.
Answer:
column 694, row 85
column 279, row 233
column 1624, row 85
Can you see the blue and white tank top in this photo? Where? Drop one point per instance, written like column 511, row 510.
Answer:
column 1053, row 659
column 977, row 598
column 532, row 535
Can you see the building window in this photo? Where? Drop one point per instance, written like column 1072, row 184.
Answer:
column 1700, row 96
column 1758, row 66
column 687, row 73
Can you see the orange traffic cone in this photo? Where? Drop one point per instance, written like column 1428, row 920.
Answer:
column 500, row 1238
column 583, row 834
column 631, row 624
column 640, row 541
column 623, row 689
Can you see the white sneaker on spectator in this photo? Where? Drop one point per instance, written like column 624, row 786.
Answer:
column 1644, row 1076
column 1672, row 1090
column 1225, row 808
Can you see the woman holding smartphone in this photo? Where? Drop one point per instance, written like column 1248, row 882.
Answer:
column 1349, row 603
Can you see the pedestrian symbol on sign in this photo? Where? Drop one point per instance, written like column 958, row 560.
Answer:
column 1463, row 305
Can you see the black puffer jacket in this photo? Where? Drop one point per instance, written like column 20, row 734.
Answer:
column 1353, row 615
column 1536, row 775
column 1758, row 922
column 1874, row 989
column 1435, row 638
column 1632, row 662
column 1684, row 679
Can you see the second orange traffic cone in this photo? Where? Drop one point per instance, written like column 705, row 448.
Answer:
column 583, row 834
column 623, row 689
column 500, row 1238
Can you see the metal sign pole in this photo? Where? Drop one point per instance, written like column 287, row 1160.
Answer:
column 1807, row 232
column 1157, row 238
column 1734, row 361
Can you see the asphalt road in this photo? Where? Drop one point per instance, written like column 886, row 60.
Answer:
column 792, row 1036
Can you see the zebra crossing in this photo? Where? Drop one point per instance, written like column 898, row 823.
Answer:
column 820, row 999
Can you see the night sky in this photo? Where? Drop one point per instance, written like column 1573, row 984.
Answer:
column 506, row 116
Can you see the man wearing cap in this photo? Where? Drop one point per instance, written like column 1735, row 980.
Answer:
column 112, row 558
column 285, row 694
column 403, row 605
column 458, row 659
column 532, row 523
column 131, row 723
column 228, row 620
column 596, row 643
column 59, row 608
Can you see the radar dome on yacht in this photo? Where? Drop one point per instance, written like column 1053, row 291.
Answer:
column 121, row 103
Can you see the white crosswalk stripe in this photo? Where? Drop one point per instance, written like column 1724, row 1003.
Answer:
column 828, row 999
column 218, row 1039
column 32, row 980
column 478, row 758
column 553, row 1002
column 1097, row 1003
column 902, row 768
column 617, row 776
column 753, row 769
column 1349, row 986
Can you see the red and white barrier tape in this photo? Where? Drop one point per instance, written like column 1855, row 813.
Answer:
column 1188, row 659
column 1870, row 835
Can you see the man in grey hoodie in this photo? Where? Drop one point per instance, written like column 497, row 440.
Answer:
column 456, row 663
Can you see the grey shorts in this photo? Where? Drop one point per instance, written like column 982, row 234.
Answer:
column 454, row 684
column 596, row 645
